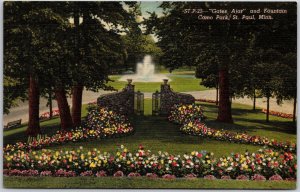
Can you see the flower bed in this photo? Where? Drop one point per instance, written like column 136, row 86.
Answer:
column 46, row 115
column 264, row 164
column 107, row 121
column 100, row 125
column 185, row 113
column 278, row 114
column 195, row 128
column 187, row 116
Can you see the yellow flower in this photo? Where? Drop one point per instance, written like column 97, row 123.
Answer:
column 89, row 153
column 208, row 161
column 193, row 153
column 82, row 157
column 92, row 165
column 128, row 162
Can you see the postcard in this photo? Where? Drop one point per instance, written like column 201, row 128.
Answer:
column 149, row 95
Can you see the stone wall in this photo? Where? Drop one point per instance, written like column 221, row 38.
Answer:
column 121, row 102
column 169, row 98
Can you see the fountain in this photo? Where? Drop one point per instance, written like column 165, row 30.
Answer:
column 145, row 72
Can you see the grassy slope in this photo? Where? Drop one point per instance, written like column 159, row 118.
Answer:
column 155, row 133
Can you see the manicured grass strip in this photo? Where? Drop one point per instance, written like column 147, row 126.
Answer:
column 110, row 182
column 180, row 83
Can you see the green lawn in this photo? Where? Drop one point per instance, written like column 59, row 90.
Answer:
column 141, row 183
column 181, row 81
column 157, row 134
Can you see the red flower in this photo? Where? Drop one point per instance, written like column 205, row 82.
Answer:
column 199, row 155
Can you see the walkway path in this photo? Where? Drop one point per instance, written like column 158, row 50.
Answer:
column 21, row 112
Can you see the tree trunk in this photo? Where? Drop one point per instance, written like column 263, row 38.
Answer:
column 294, row 110
column 268, row 109
column 77, row 89
column 34, row 100
column 76, row 104
column 217, row 94
column 254, row 100
column 64, row 110
column 224, row 113
column 50, row 104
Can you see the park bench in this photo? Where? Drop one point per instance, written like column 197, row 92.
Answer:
column 13, row 124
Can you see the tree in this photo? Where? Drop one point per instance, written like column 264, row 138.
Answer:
column 287, row 88
column 185, row 39
column 24, row 32
column 207, row 70
column 98, row 46
column 183, row 35
column 139, row 45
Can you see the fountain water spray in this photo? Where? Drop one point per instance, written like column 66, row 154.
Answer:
column 145, row 72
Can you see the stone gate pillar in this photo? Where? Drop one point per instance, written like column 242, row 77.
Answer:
column 169, row 98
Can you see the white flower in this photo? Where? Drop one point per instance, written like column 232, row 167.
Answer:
column 229, row 168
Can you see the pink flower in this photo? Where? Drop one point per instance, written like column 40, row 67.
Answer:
column 258, row 177
column 132, row 174
column 190, row 176
column 151, row 175
column 46, row 173
column 169, row 176
column 276, row 178
column 86, row 173
column 101, row 174
column 119, row 174
column 242, row 177
column 64, row 173
column 210, row 177
column 30, row 172
column 6, row 172
column 226, row 177
column 15, row 172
